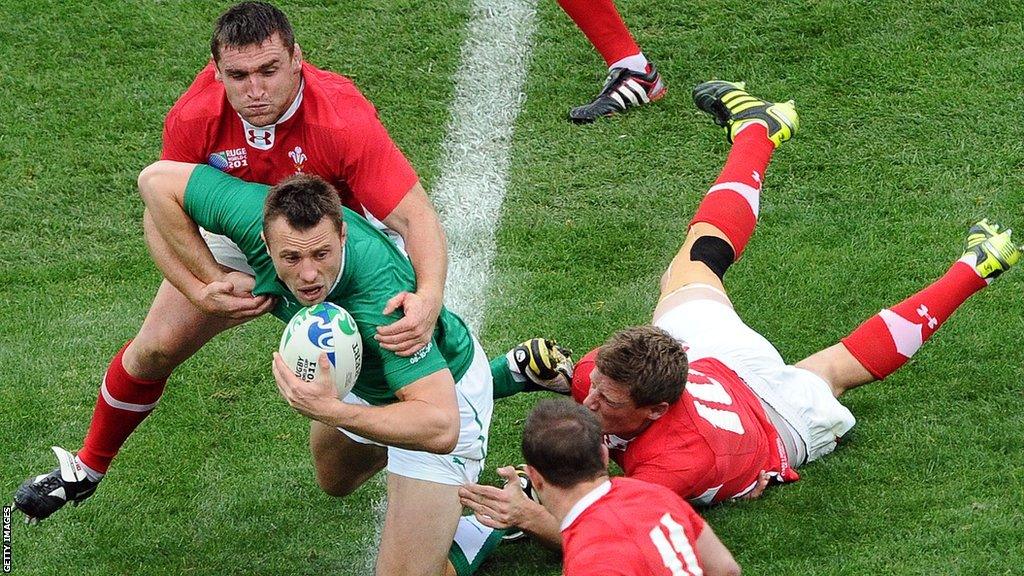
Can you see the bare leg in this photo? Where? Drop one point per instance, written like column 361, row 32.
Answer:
column 838, row 367
column 342, row 464
column 683, row 273
column 174, row 330
column 418, row 527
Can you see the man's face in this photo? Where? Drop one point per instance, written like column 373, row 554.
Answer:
column 610, row 401
column 308, row 262
column 261, row 80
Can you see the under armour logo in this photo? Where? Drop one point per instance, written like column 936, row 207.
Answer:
column 757, row 178
column 262, row 139
column 922, row 311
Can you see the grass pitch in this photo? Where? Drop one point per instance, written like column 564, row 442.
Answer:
column 909, row 113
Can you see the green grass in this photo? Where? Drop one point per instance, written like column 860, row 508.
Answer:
column 910, row 131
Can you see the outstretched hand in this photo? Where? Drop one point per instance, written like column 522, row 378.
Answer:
column 500, row 508
column 413, row 331
column 231, row 297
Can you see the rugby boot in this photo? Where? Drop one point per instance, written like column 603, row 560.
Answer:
column 42, row 495
column 990, row 250
column 623, row 89
column 734, row 108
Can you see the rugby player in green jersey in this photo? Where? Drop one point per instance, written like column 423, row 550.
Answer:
column 425, row 417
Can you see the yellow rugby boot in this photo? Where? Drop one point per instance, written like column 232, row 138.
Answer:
column 990, row 250
column 734, row 108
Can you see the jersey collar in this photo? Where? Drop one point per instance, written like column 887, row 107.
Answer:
column 588, row 499
column 263, row 137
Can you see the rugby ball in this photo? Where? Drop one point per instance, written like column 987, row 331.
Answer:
column 329, row 328
column 526, row 484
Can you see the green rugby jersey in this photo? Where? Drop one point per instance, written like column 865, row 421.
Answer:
column 373, row 271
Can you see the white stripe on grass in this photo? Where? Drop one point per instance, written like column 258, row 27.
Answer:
column 474, row 171
column 469, row 193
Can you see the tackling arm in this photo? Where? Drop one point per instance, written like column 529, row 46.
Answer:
column 426, row 416
column 162, row 187
column 180, row 252
column 416, row 221
column 509, row 506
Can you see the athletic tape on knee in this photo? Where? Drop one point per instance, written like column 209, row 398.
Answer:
column 713, row 252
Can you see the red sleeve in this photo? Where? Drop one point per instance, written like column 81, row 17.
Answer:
column 581, row 376
column 679, row 480
column 695, row 520
column 376, row 171
column 179, row 139
column 598, row 560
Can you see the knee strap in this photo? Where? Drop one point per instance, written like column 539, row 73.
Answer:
column 713, row 252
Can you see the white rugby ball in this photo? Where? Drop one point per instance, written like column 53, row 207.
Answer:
column 329, row 328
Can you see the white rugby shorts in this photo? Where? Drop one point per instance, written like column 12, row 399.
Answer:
column 803, row 399
column 475, row 393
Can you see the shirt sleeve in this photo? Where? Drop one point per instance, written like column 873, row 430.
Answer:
column 376, row 171
column 179, row 140
column 226, row 205
column 695, row 520
column 681, row 481
column 598, row 560
column 400, row 371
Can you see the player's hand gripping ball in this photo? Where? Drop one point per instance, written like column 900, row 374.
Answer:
column 329, row 328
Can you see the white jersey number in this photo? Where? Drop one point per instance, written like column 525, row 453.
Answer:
column 676, row 552
column 708, row 389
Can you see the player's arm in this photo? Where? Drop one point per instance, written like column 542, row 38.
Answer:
column 415, row 219
column 714, row 556
column 509, row 506
column 162, row 186
column 385, row 183
column 426, row 416
column 180, row 252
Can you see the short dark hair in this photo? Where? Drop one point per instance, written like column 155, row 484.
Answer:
column 562, row 441
column 303, row 200
column 249, row 23
column 648, row 360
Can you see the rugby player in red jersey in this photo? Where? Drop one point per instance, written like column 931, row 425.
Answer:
column 741, row 417
column 257, row 112
column 616, row 527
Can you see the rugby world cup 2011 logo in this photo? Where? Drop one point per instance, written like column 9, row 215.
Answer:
column 321, row 333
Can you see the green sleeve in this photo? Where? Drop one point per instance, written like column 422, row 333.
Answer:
column 226, row 205
column 400, row 371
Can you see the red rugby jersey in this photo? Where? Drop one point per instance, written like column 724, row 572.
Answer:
column 636, row 529
column 712, row 443
column 331, row 130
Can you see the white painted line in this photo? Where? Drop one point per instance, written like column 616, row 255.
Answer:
column 489, row 91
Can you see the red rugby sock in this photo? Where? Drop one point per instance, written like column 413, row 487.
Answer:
column 123, row 403
column 732, row 203
column 888, row 339
column 603, row 26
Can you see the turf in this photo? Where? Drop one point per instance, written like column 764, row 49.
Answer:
column 909, row 114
